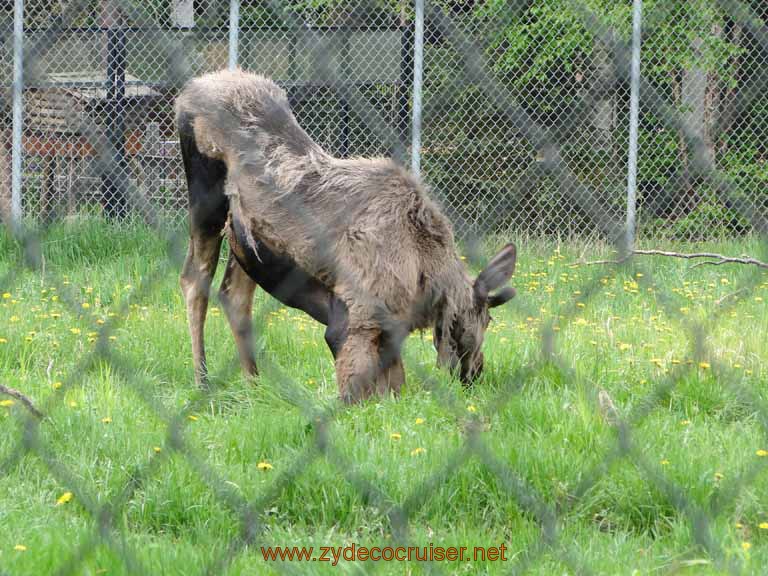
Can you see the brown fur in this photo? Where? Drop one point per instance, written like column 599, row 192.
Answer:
column 365, row 228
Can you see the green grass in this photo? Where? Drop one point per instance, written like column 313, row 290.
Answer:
column 612, row 503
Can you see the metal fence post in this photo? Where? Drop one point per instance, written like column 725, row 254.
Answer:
column 418, row 72
column 234, row 33
column 634, row 106
column 18, row 87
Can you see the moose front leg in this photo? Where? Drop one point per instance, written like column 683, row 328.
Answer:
column 196, row 276
column 236, row 295
column 364, row 366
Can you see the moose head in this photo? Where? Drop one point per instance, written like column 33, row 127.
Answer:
column 460, row 325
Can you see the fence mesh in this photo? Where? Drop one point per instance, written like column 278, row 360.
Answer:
column 524, row 130
column 107, row 64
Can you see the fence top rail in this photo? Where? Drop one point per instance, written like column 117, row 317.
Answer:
column 377, row 27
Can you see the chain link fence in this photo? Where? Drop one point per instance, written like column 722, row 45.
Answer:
column 107, row 66
column 524, row 130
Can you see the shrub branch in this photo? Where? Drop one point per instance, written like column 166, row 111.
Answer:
column 715, row 259
column 21, row 398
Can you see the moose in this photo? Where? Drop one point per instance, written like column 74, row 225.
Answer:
column 356, row 243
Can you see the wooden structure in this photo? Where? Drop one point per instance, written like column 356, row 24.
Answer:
column 67, row 121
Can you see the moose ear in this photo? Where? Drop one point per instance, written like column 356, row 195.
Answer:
column 498, row 271
column 501, row 297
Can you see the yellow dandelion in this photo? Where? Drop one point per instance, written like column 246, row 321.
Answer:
column 6, row 403
column 739, row 525
column 395, row 436
column 746, row 546
column 85, row 305
column 157, row 449
column 64, row 498
column 685, row 422
column 718, row 476
column 20, row 548
column 724, row 281
column 417, row 451
column 420, row 420
column 192, row 417
column 6, row 295
column 664, row 462
column 14, row 318
column 263, row 465
column 3, row 341
column 56, row 385
column 75, row 330
column 472, row 408
column 625, row 346
column 705, row 365
column 762, row 452
column 72, row 404
column 580, row 304
column 763, row 525
column 106, row 420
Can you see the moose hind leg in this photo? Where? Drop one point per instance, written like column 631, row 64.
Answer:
column 196, row 276
column 236, row 296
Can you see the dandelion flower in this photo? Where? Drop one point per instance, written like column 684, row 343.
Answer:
column 664, row 462
column 395, row 436
column 704, row 365
column 192, row 417
column 3, row 341
column 263, row 465
column 417, row 451
column 739, row 525
column 56, row 385
column 64, row 498
column 763, row 525
column 420, row 420
column 20, row 548
column 72, row 404
column 106, row 420
column 85, row 305
column 6, row 295
column 75, row 330
column 472, row 408
column 718, row 476
column 762, row 452
column 746, row 546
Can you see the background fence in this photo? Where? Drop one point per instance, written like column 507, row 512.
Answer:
column 116, row 67
column 524, row 128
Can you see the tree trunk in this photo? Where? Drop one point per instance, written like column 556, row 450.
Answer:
column 700, row 100
column 183, row 13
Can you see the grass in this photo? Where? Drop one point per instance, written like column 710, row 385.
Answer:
column 157, row 473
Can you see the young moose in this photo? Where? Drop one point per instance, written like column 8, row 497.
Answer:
column 358, row 241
